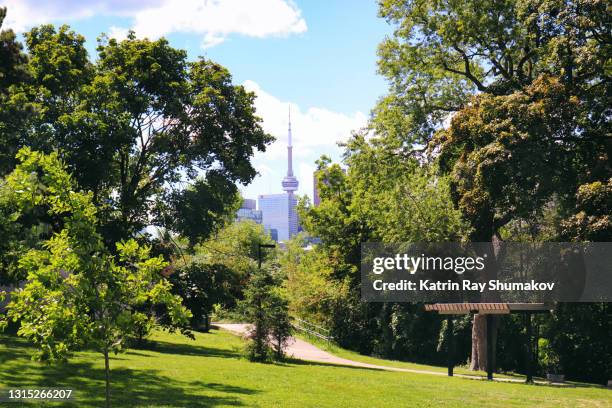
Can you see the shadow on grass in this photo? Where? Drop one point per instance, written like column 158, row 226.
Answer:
column 129, row 387
column 188, row 350
column 224, row 388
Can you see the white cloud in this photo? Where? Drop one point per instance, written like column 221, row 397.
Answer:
column 24, row 14
column 118, row 33
column 212, row 39
column 214, row 20
column 312, row 129
column 315, row 131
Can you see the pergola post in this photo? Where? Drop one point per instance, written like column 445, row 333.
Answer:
column 489, row 346
column 450, row 345
column 529, row 360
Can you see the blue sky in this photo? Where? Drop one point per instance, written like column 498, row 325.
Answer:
column 319, row 57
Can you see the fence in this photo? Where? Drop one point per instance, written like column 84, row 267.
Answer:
column 311, row 329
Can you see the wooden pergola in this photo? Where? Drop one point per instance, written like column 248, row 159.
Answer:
column 489, row 309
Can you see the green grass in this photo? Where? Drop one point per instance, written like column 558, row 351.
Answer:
column 464, row 370
column 353, row 355
column 209, row 372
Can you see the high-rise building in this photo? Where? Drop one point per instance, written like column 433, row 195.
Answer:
column 278, row 214
column 279, row 210
column 249, row 211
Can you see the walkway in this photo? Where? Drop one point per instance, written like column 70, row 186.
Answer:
column 302, row 350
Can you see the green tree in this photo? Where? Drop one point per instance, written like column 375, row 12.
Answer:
column 592, row 220
column 77, row 294
column 236, row 246
column 215, row 272
column 202, row 286
column 265, row 308
column 255, row 308
column 310, row 283
column 158, row 140
column 526, row 84
column 383, row 196
column 280, row 324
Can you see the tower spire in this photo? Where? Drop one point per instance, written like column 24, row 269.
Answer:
column 289, row 148
column 290, row 183
column 289, row 130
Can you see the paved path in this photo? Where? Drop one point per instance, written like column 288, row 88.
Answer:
column 302, row 350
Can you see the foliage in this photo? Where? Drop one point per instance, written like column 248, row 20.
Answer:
column 77, row 294
column 280, row 325
column 499, row 160
column 547, row 356
column 443, row 52
column 537, row 127
column 214, row 272
column 578, row 334
column 264, row 307
column 382, row 197
column 157, row 139
column 13, row 70
column 310, row 285
column 512, row 100
column 202, row 287
column 236, row 246
column 593, row 220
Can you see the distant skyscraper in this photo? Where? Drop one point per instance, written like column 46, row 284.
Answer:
column 248, row 211
column 279, row 210
column 278, row 214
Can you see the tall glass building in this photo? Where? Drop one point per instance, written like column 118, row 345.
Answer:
column 279, row 210
column 279, row 213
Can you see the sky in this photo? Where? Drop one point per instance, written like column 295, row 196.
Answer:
column 316, row 56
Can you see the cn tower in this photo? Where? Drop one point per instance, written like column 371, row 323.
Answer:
column 290, row 183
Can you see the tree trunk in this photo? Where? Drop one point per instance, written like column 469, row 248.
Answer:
column 479, row 343
column 479, row 326
column 107, row 373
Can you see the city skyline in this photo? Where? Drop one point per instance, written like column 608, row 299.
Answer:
column 278, row 211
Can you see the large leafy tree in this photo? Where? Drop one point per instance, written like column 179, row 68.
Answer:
column 158, row 139
column 442, row 52
column 77, row 294
column 527, row 85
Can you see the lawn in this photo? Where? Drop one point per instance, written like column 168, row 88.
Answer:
column 209, row 372
column 353, row 355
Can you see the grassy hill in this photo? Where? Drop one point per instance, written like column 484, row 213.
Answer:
column 209, row 372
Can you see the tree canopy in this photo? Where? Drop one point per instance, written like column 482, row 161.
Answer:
column 158, row 139
column 497, row 117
